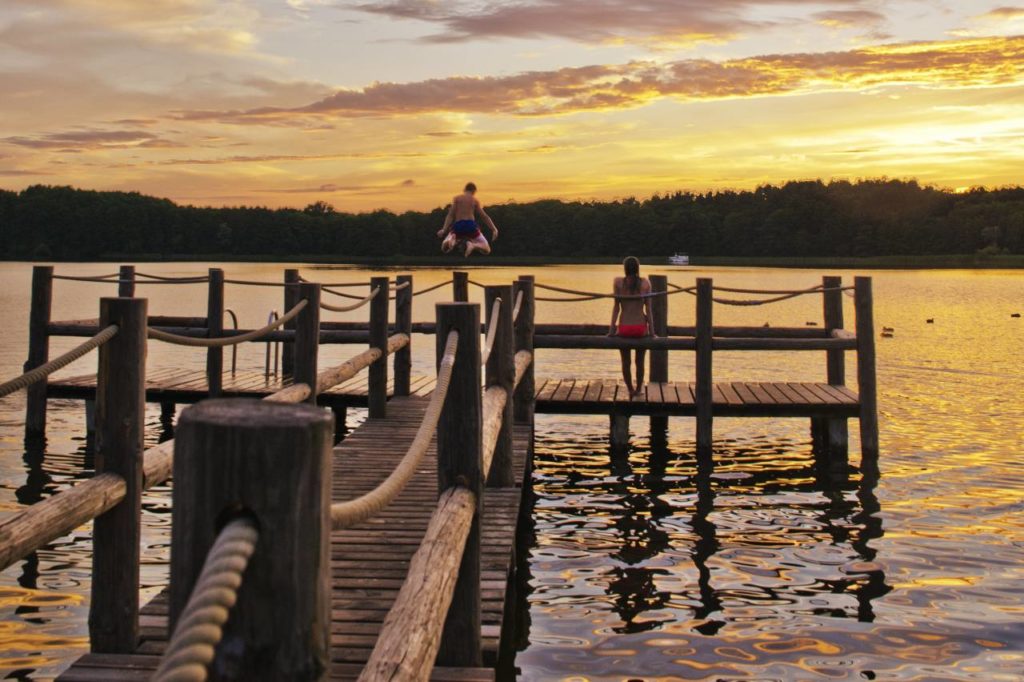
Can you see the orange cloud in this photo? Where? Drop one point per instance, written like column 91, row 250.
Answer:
column 977, row 62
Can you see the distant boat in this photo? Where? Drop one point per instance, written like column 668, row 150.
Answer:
column 679, row 259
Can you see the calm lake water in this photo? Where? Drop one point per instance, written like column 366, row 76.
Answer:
column 642, row 566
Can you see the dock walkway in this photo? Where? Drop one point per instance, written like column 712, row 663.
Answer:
column 369, row 561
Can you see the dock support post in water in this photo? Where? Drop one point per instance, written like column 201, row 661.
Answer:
column 524, row 323
column 659, row 358
column 460, row 462
column 378, row 371
column 403, row 325
column 38, row 348
column 214, row 329
column 225, row 453
column 460, row 287
column 126, row 281
column 307, row 338
column 501, row 371
column 619, row 426
column 291, row 297
column 831, row 436
column 704, row 389
column 120, row 426
column 866, row 380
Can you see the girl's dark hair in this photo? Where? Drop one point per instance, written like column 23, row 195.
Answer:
column 632, row 268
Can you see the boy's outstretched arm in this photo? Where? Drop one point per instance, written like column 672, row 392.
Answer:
column 449, row 219
column 487, row 221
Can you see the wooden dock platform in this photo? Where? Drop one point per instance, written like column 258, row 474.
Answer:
column 370, row 560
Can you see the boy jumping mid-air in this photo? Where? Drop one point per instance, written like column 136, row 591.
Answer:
column 460, row 225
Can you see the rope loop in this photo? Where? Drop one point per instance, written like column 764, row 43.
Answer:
column 351, row 512
column 254, row 335
column 42, row 371
column 201, row 624
column 429, row 289
column 346, row 308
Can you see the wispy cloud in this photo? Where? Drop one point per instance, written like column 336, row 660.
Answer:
column 91, row 139
column 941, row 64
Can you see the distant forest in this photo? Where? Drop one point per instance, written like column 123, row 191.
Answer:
column 796, row 220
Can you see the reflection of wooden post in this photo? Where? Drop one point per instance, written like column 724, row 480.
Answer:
column 214, row 329
column 501, row 371
column 834, row 433
column 378, row 372
column 126, row 281
column 460, row 462
column 403, row 325
column 460, row 287
column 866, row 379
column 291, row 297
column 38, row 348
column 704, row 393
column 307, row 338
column 120, row 425
column 659, row 358
column 271, row 462
column 619, row 431
column 525, row 394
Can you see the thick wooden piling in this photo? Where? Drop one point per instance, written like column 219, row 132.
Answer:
column 270, row 461
column 460, row 462
column 834, row 433
column 120, row 425
column 659, row 358
column 215, row 328
column 307, row 339
column 403, row 325
column 291, row 297
column 523, row 400
column 619, row 431
column 460, row 287
column 704, row 388
column 866, row 380
column 38, row 348
column 501, row 371
column 126, row 281
column 378, row 371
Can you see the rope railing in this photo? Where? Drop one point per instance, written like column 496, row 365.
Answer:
column 517, row 307
column 593, row 295
column 227, row 340
column 351, row 512
column 160, row 278
column 108, row 280
column 492, row 330
column 42, row 371
column 341, row 294
column 355, row 306
column 399, row 287
column 476, row 284
column 431, row 288
column 201, row 624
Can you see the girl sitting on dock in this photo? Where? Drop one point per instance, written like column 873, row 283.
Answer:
column 631, row 319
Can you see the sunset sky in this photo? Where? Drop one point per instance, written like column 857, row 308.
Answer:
column 396, row 103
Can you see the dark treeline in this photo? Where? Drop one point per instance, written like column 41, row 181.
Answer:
column 796, row 220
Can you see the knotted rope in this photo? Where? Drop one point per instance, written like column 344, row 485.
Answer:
column 492, row 330
column 351, row 512
column 228, row 340
column 346, row 308
column 201, row 624
column 42, row 371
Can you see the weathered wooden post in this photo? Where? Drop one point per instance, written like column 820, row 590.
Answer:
column 460, row 287
column 704, row 390
column 126, row 281
column 525, row 394
column 214, row 329
column 460, row 462
column 833, row 434
column 120, row 426
column 378, row 372
column 501, row 371
column 659, row 358
column 867, row 387
column 272, row 462
column 403, row 325
column 38, row 348
column 619, row 428
column 291, row 297
column 307, row 338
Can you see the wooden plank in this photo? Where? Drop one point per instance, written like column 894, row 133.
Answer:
column 562, row 394
column 716, row 395
column 822, row 395
column 809, row 397
column 777, row 395
column 547, row 390
column 579, row 390
column 763, row 395
column 593, row 392
column 745, row 394
column 730, row 394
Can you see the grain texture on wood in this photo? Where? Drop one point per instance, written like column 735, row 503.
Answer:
column 501, row 371
column 215, row 329
column 403, row 325
column 120, row 428
column 378, row 372
column 704, row 389
column 291, row 297
column 272, row 462
column 866, row 380
column 307, row 339
column 38, row 347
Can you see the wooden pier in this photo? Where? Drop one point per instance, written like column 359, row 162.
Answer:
column 388, row 556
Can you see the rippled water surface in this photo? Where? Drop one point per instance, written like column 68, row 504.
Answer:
column 642, row 564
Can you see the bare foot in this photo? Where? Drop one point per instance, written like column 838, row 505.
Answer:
column 639, row 389
column 469, row 248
